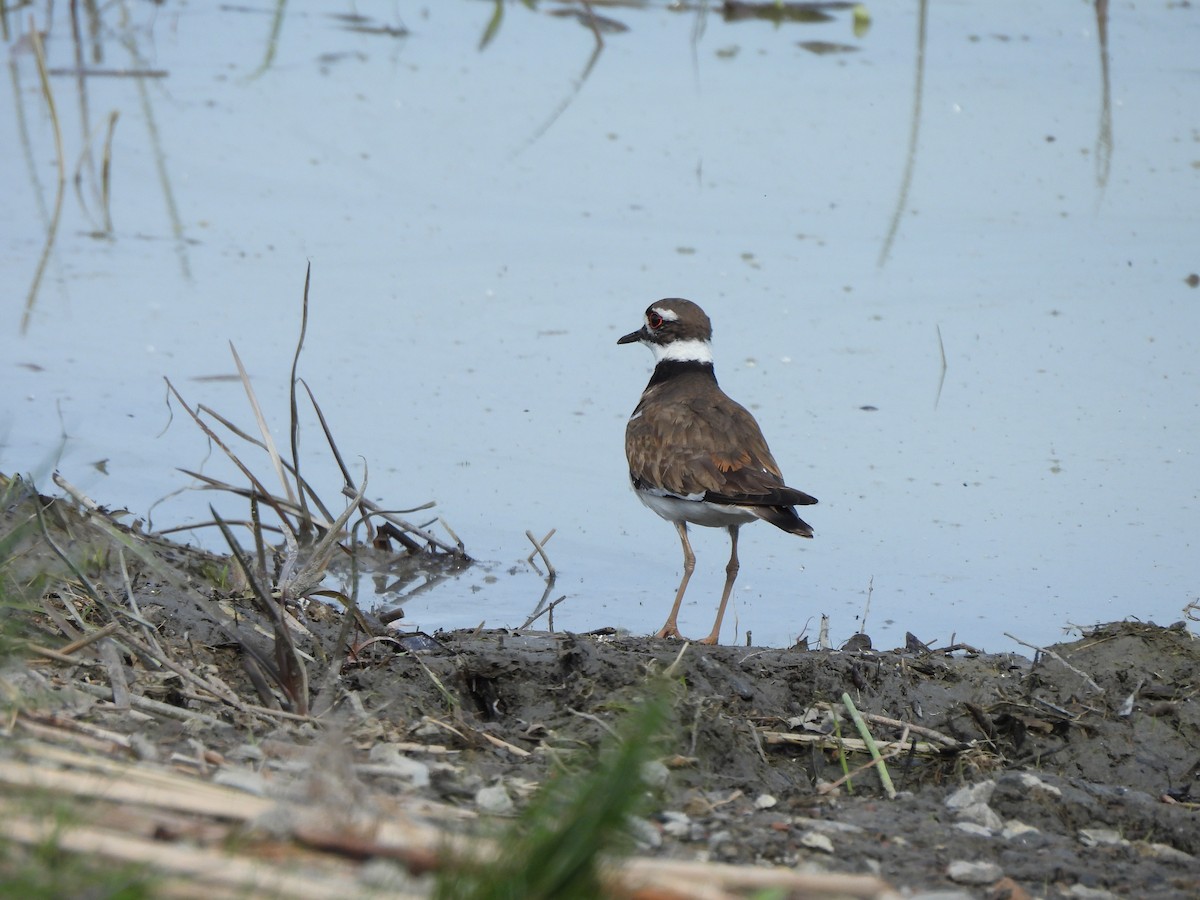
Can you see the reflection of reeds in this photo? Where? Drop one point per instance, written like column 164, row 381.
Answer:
column 1104, row 135
column 39, row 52
column 910, row 158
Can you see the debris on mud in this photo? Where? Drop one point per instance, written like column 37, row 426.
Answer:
column 1074, row 774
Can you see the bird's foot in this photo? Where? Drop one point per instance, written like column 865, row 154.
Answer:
column 670, row 630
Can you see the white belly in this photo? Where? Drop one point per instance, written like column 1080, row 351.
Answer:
column 695, row 512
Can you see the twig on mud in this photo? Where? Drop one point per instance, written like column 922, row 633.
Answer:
column 834, row 785
column 1052, row 653
column 145, row 704
column 131, row 600
column 190, row 677
column 593, row 718
column 50, row 653
column 117, row 682
column 90, row 637
column 849, row 744
column 674, row 666
column 884, row 777
column 936, row 736
column 758, row 744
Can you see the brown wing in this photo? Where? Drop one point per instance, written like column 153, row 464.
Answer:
column 707, row 445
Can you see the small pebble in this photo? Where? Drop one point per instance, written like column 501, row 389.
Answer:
column 967, row 872
column 1166, row 851
column 676, row 824
column 971, row 795
column 1096, row 837
column 655, row 774
column 764, row 801
column 972, row 828
column 494, row 799
column 1013, row 828
column 1032, row 784
column 981, row 814
column 816, row 841
column 645, row 835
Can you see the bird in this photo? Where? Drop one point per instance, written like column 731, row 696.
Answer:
column 696, row 456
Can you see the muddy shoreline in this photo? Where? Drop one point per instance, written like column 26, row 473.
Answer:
column 1073, row 774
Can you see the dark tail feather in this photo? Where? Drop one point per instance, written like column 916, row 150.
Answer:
column 784, row 517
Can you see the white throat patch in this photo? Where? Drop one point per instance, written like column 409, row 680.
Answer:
column 683, row 351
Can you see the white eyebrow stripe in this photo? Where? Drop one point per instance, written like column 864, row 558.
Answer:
column 669, row 315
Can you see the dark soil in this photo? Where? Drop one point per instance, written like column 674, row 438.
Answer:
column 1085, row 761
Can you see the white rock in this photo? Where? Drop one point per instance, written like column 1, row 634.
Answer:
column 644, row 833
column 1096, row 837
column 1087, row 893
column 412, row 770
column 655, row 774
column 815, row 841
column 970, row 795
column 829, row 826
column 676, row 824
column 1013, row 828
column 1032, row 783
column 972, row 828
column 242, row 779
column 764, row 801
column 966, row 872
column 1166, row 851
column 981, row 814
column 494, row 799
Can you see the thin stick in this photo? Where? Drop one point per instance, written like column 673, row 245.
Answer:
column 538, row 545
column 862, row 628
column 936, row 736
column 834, row 785
column 1051, row 653
column 89, row 638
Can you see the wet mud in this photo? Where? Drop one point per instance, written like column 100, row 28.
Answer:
column 1074, row 773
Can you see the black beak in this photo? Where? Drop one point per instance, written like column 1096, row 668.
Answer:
column 632, row 336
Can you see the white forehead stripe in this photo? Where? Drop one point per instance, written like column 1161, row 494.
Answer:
column 669, row 315
column 683, row 351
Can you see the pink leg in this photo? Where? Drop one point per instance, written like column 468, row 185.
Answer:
column 731, row 571
column 689, row 565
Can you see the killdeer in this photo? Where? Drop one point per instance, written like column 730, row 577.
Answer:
column 696, row 456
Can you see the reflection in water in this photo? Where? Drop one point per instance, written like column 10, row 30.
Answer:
column 272, row 40
column 87, row 163
column 595, row 24
column 98, row 183
column 39, row 52
column 913, row 134
column 1104, row 137
column 160, row 157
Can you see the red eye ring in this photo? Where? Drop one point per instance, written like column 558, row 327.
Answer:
column 654, row 320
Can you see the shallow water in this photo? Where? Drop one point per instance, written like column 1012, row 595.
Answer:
column 483, row 224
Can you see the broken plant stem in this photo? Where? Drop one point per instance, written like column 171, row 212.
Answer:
column 540, row 550
column 884, row 777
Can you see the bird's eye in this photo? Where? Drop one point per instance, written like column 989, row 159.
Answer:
column 654, row 320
